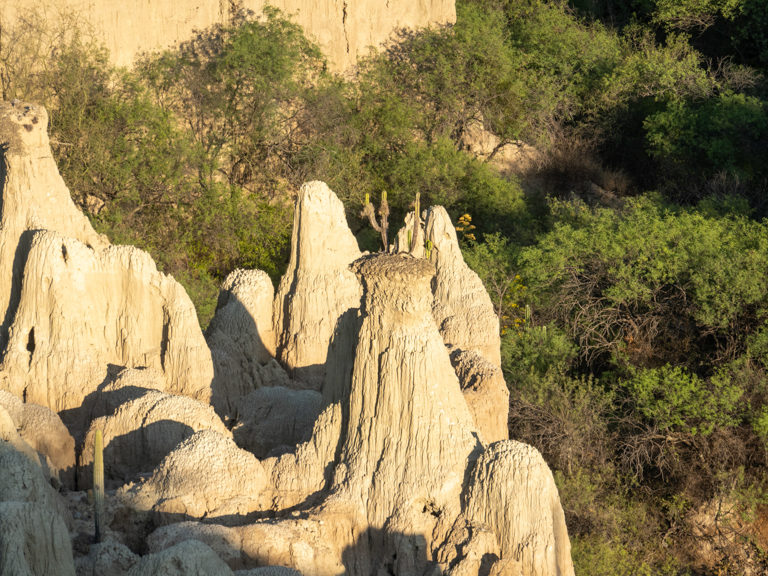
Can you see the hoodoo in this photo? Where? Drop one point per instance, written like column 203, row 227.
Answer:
column 76, row 305
column 318, row 286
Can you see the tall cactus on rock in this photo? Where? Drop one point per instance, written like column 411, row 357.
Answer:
column 381, row 225
column 98, row 485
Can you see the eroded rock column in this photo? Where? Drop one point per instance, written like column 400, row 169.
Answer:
column 318, row 287
column 409, row 434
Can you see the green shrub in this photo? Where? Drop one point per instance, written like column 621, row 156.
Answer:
column 672, row 399
column 645, row 284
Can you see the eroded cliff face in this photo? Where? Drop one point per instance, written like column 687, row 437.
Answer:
column 344, row 29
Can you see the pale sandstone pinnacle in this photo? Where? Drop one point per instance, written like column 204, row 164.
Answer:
column 242, row 340
column 343, row 29
column 252, row 294
column 73, row 305
column 466, row 319
column 33, row 196
column 462, row 309
column 406, row 412
column 409, row 434
column 318, row 287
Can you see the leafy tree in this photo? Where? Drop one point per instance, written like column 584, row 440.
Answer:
column 724, row 134
column 238, row 89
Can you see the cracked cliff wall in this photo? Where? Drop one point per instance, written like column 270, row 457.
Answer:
column 344, row 29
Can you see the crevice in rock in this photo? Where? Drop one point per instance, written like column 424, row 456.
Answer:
column 164, row 340
column 344, row 25
column 31, row 344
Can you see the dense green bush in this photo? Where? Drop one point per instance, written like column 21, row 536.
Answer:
column 651, row 283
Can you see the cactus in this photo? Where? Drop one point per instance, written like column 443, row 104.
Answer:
column 381, row 225
column 98, row 484
column 428, row 250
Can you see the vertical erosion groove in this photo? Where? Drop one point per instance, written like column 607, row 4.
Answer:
column 344, row 24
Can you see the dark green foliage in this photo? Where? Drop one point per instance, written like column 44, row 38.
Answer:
column 653, row 283
column 727, row 133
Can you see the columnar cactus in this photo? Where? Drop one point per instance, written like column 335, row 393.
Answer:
column 369, row 212
column 98, row 484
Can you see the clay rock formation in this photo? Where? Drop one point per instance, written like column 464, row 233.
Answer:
column 297, row 476
column 394, row 478
column 486, row 393
column 512, row 491
column 141, row 432
column 46, row 434
column 73, row 304
column 208, row 476
column 466, row 318
column 223, row 541
column 409, row 436
column 318, row 287
column 22, row 480
column 81, row 310
column 242, row 339
column 10, row 435
column 33, row 541
column 34, row 538
column 34, row 197
column 276, row 418
column 344, row 30
column 462, row 308
column 284, row 547
column 235, row 483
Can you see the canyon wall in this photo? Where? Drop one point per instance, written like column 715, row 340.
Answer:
column 344, row 29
